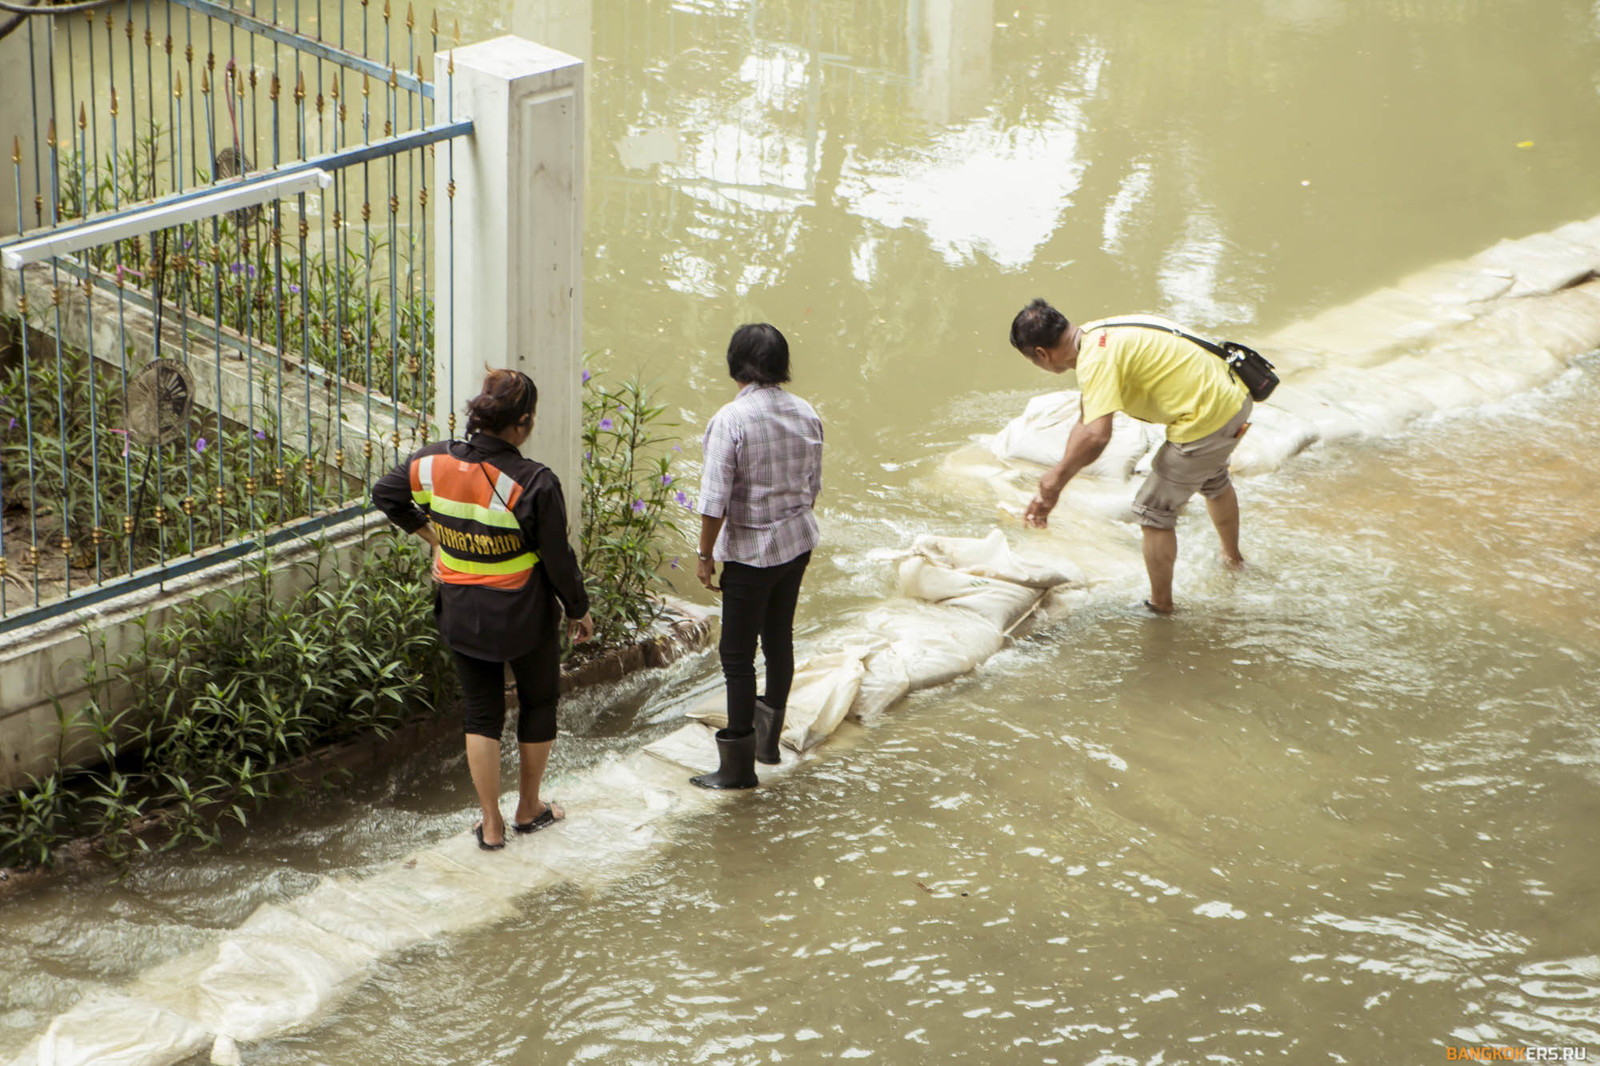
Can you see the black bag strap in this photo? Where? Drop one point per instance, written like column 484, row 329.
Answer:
column 1210, row 346
column 480, row 462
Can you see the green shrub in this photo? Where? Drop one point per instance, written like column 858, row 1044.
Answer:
column 228, row 694
column 631, row 503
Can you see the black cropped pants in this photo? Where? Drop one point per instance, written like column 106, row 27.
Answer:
column 483, row 692
column 758, row 603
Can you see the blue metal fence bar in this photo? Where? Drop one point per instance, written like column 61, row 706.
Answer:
column 170, row 572
column 378, row 149
column 320, row 49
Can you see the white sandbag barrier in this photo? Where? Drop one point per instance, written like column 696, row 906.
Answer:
column 1505, row 321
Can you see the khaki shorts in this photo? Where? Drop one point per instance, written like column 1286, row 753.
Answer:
column 1180, row 470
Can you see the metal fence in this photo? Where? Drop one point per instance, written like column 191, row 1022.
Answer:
column 173, row 389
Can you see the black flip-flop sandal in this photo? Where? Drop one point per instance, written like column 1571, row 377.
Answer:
column 545, row 819
column 477, row 831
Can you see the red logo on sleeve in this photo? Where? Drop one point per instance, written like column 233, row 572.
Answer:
column 1102, row 340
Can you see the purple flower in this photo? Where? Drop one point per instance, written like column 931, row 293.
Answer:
column 13, row 424
column 200, row 445
column 586, row 376
column 606, row 423
column 666, row 479
column 294, row 288
column 681, row 498
column 588, row 455
column 638, row 507
column 674, row 562
column 261, row 434
column 677, row 447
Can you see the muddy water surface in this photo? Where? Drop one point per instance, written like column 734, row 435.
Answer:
column 1342, row 809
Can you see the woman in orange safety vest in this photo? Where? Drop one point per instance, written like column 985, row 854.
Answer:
column 497, row 523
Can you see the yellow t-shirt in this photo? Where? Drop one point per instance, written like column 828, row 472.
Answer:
column 1155, row 376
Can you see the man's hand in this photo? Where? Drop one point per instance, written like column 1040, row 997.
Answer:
column 1037, row 516
column 580, row 629
column 706, row 571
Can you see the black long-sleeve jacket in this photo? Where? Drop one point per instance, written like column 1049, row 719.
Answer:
column 480, row 619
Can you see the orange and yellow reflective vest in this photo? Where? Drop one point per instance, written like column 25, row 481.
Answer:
column 480, row 540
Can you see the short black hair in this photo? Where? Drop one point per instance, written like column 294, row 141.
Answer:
column 758, row 355
column 1037, row 326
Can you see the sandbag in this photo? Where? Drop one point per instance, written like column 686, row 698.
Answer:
column 825, row 687
column 992, row 556
column 1001, row 603
column 935, row 644
column 1039, row 435
column 1274, row 437
column 883, row 684
column 116, row 1030
column 277, row 974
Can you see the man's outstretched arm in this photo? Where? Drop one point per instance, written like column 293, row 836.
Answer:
column 1084, row 445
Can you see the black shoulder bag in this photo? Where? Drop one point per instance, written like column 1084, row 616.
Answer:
column 1247, row 364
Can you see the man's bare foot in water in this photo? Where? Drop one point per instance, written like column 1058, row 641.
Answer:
column 1167, row 608
column 1234, row 563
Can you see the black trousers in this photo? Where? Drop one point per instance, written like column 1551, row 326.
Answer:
column 483, row 692
column 758, row 603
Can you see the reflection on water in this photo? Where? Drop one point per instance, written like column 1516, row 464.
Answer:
column 1343, row 809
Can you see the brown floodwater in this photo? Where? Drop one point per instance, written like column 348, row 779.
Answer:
column 1344, row 808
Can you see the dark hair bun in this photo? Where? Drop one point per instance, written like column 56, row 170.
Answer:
column 507, row 398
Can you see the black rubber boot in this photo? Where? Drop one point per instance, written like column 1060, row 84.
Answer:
column 769, row 730
column 737, row 763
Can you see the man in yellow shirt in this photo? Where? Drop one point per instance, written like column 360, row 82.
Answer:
column 1155, row 376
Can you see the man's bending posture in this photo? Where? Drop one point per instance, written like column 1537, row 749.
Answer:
column 1154, row 376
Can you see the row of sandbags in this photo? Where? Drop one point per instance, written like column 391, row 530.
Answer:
column 1460, row 334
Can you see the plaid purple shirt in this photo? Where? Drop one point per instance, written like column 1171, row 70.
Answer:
column 763, row 471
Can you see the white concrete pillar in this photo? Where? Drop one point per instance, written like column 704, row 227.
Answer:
column 510, row 275
column 18, row 102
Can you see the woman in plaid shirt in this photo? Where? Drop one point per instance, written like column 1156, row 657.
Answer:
column 763, row 470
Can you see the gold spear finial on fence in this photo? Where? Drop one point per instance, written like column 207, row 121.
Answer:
column 83, row 119
column 386, row 10
column 450, row 66
column 50, row 135
column 366, row 86
column 457, row 37
column 300, row 88
column 205, row 83
column 16, row 151
column 272, row 92
column 177, row 84
column 113, row 101
column 433, row 23
column 128, row 29
column 411, row 18
column 394, row 80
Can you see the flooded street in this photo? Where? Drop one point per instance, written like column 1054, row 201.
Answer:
column 1343, row 808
